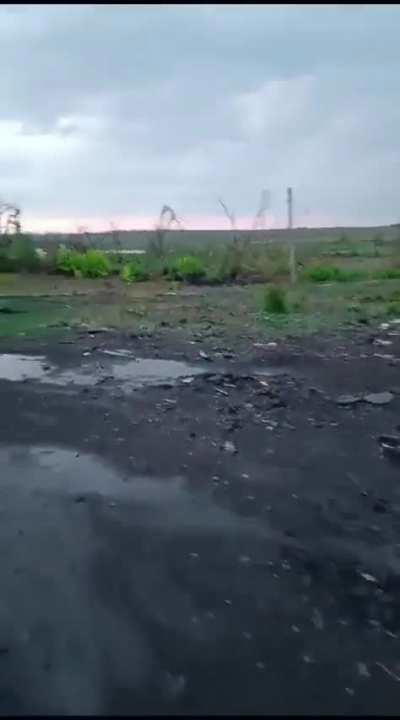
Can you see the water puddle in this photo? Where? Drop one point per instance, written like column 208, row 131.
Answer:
column 152, row 502
column 129, row 373
column 22, row 367
column 119, row 367
column 153, row 371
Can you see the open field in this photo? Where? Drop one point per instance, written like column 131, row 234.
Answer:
column 139, row 239
column 199, row 513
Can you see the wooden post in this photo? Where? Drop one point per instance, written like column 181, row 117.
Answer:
column 292, row 249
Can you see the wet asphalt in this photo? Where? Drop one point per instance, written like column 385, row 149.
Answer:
column 212, row 542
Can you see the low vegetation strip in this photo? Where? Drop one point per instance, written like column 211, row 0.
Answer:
column 240, row 259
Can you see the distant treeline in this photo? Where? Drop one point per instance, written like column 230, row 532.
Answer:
column 140, row 239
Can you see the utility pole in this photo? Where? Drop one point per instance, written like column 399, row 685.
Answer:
column 292, row 249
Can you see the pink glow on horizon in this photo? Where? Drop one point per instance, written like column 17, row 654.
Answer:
column 137, row 222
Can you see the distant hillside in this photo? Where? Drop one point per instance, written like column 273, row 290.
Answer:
column 139, row 239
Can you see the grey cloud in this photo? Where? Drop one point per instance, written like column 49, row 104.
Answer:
column 118, row 109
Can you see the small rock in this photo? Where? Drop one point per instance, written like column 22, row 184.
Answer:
column 348, row 399
column 229, row 447
column 379, row 398
column 317, row 619
column 307, row 659
column 380, row 507
column 363, row 670
column 80, row 499
column 386, row 356
column 368, row 577
column 173, row 685
column 382, row 343
column 204, row 355
column 389, row 441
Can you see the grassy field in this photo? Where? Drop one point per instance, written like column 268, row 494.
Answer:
column 341, row 282
column 32, row 308
column 140, row 239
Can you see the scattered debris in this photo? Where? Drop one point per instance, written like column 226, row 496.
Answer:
column 388, row 672
column 222, row 392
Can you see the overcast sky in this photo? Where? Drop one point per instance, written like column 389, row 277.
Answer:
column 108, row 112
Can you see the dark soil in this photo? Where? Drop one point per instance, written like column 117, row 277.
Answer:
column 241, row 553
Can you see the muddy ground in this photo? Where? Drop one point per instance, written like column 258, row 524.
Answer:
column 227, row 542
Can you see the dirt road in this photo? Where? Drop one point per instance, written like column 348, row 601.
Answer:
column 216, row 535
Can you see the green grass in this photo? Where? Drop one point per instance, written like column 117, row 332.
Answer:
column 275, row 301
column 29, row 316
column 387, row 274
column 330, row 273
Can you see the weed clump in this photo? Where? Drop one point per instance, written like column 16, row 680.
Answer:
column 275, row 300
column 7, row 264
column 134, row 271
column 387, row 274
column 187, row 267
column 91, row 264
column 22, row 254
